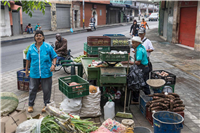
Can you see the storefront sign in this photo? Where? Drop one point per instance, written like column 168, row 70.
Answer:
column 188, row 3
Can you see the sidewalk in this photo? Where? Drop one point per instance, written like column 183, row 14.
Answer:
column 61, row 31
column 184, row 63
column 64, row 31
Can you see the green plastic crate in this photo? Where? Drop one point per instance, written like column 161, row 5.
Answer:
column 94, row 50
column 85, row 46
column 73, row 91
column 113, row 57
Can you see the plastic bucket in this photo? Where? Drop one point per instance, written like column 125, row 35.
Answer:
column 167, row 122
column 141, row 130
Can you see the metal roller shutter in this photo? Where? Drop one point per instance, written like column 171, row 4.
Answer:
column 63, row 16
column 38, row 17
column 187, row 26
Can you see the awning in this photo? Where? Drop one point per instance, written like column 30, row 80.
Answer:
column 131, row 6
column 117, row 5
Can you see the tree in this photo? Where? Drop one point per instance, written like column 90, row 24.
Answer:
column 28, row 6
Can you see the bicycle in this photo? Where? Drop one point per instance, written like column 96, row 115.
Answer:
column 66, row 60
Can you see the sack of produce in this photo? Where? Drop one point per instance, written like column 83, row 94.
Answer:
column 72, row 106
column 9, row 102
column 91, row 103
column 27, row 126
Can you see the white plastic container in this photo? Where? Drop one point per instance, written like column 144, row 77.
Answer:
column 109, row 110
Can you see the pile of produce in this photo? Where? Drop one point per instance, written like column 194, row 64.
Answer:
column 77, row 87
column 78, row 59
column 67, row 122
column 26, row 50
column 163, row 74
column 98, row 64
column 165, row 101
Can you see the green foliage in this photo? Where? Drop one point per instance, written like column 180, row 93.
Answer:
column 29, row 6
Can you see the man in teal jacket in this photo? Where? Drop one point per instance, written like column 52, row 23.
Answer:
column 40, row 57
column 38, row 27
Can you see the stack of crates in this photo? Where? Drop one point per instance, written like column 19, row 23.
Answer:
column 23, row 81
column 170, row 79
column 95, row 44
column 142, row 102
column 119, row 42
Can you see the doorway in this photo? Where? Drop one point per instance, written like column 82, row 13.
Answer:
column 16, row 23
column 75, row 18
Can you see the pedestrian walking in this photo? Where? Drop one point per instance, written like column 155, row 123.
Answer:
column 148, row 46
column 127, row 18
column 40, row 57
column 93, row 20
column 134, row 28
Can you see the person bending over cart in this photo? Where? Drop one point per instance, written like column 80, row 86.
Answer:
column 139, row 71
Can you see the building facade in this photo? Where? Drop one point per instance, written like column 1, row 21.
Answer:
column 94, row 8
column 180, row 22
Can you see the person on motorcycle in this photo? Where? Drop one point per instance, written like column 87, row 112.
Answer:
column 144, row 24
column 61, row 46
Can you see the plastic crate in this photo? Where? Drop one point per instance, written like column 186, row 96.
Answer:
column 85, row 46
column 113, row 35
column 21, row 75
column 119, row 41
column 73, row 91
column 94, row 50
column 143, row 100
column 170, row 79
column 24, row 86
column 120, row 48
column 113, row 57
column 98, row 41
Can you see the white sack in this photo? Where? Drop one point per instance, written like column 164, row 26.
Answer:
column 91, row 105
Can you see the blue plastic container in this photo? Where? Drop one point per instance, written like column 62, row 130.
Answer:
column 167, row 122
column 143, row 100
column 21, row 76
column 114, row 35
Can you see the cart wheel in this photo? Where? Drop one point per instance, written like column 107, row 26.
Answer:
column 67, row 69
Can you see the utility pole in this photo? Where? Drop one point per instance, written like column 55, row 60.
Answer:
column 83, row 16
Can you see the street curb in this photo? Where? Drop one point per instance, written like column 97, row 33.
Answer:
column 68, row 32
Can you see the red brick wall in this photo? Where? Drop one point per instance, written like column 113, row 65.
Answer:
column 97, row 1
column 101, row 20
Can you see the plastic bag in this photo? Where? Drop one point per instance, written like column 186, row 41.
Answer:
column 91, row 105
column 71, row 106
column 27, row 126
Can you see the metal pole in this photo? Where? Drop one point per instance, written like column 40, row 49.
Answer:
column 83, row 16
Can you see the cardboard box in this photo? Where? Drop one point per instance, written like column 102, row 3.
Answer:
column 9, row 123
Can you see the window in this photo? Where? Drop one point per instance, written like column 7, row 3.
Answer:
column 100, row 13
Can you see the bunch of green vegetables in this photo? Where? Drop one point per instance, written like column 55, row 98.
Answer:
column 84, row 126
column 78, row 59
column 48, row 125
column 26, row 50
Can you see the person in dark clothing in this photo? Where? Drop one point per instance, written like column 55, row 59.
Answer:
column 61, row 46
column 134, row 28
column 93, row 20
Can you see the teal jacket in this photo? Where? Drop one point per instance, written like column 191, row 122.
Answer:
column 41, row 62
column 37, row 27
column 141, row 55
